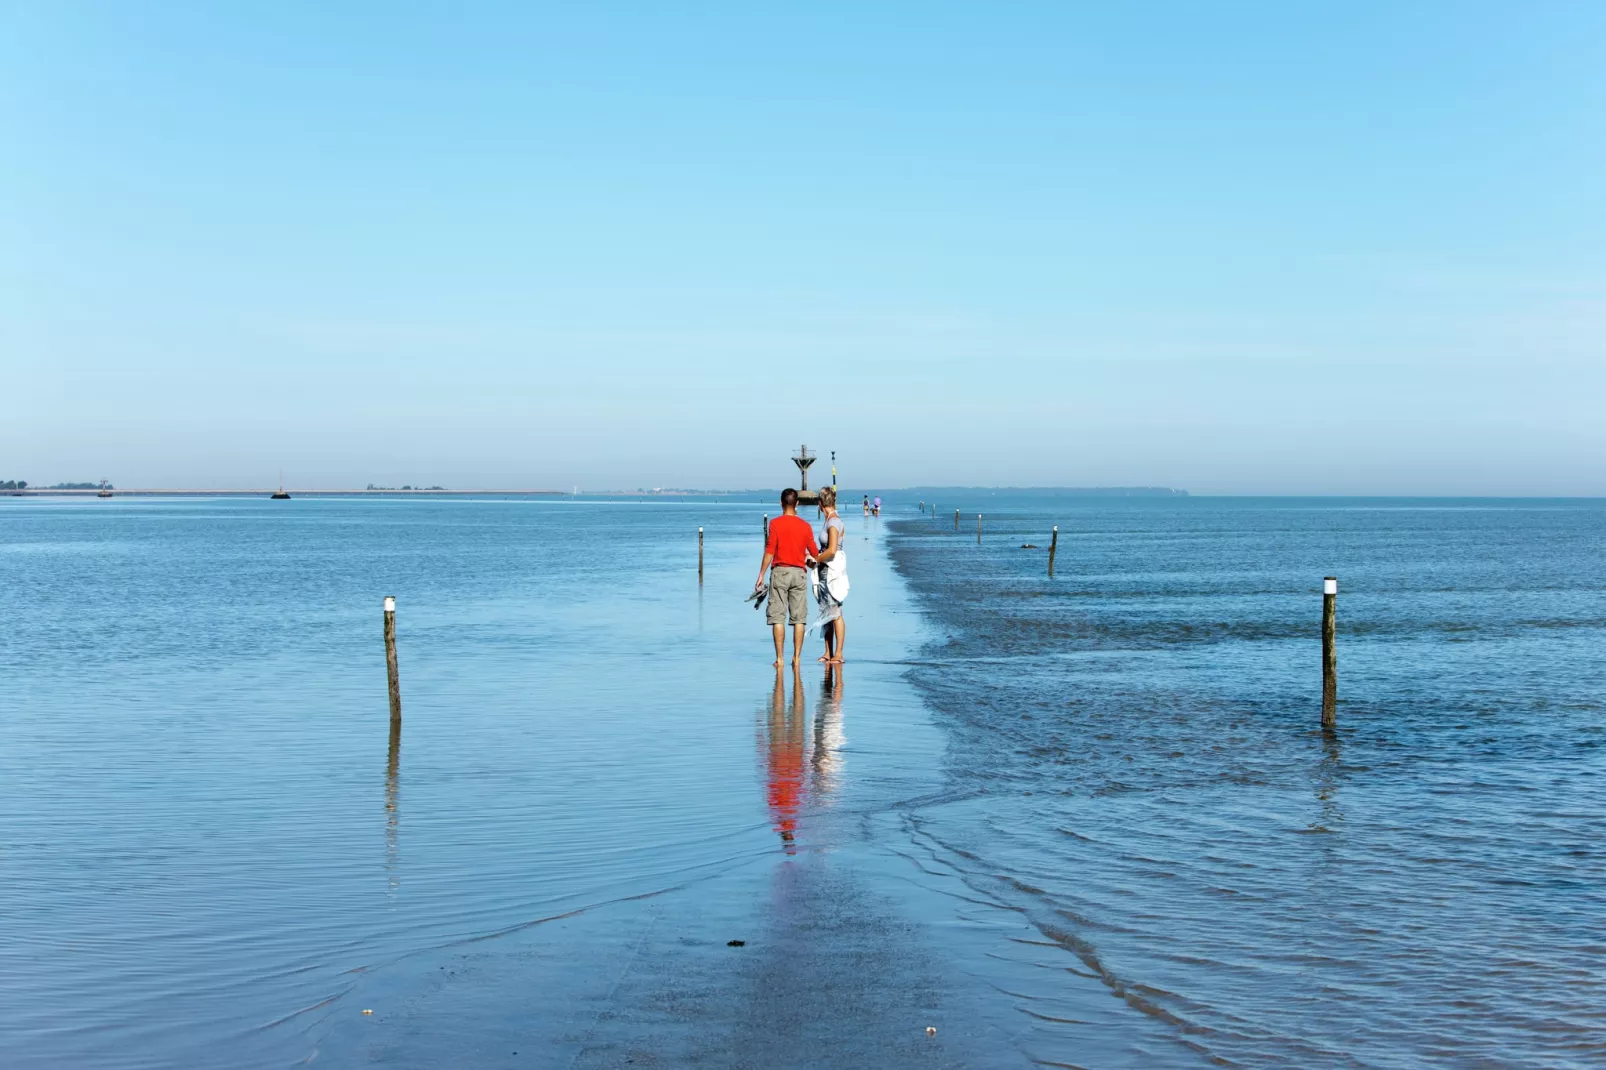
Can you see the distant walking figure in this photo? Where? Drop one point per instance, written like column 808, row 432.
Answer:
column 831, row 581
column 866, row 505
column 789, row 549
column 876, row 510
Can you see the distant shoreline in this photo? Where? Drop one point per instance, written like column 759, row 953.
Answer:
column 371, row 492
column 263, row 492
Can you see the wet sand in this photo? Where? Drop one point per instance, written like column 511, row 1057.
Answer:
column 833, row 972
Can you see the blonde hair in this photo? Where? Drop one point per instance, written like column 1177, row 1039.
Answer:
column 828, row 496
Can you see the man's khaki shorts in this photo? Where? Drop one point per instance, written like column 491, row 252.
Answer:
column 789, row 593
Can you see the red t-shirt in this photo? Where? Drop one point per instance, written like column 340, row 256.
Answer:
column 790, row 536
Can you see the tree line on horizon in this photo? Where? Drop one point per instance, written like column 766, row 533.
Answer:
column 22, row 484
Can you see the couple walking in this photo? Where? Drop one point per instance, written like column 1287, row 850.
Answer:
column 797, row 565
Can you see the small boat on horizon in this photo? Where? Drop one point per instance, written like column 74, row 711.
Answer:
column 105, row 489
column 281, row 495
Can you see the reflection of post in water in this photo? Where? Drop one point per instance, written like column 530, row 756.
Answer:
column 1328, row 779
column 392, row 769
column 783, row 758
column 826, row 761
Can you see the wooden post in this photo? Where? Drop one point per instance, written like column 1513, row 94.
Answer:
column 922, row 508
column 956, row 521
column 1053, row 545
column 766, row 529
column 978, row 529
column 390, row 660
column 1329, row 652
column 699, row 556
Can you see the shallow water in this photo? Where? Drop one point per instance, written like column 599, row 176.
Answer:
column 1112, row 834
column 1153, row 790
column 209, row 840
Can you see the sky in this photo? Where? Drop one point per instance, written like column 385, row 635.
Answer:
column 1239, row 248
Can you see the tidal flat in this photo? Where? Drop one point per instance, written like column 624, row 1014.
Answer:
column 1088, row 820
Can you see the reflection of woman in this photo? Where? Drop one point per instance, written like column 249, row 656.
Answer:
column 826, row 759
column 831, row 587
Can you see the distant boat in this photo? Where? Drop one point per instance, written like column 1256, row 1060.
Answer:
column 105, row 489
column 281, row 495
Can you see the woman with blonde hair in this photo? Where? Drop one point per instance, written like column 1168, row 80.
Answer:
column 830, row 580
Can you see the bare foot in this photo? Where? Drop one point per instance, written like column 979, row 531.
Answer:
column 824, row 658
column 836, row 661
column 796, row 662
column 776, row 663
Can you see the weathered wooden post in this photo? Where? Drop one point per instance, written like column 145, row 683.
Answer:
column 766, row 529
column 1329, row 652
column 390, row 659
column 922, row 508
column 700, row 556
column 1053, row 545
column 978, row 529
column 956, row 521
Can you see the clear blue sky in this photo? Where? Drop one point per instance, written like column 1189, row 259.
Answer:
column 1271, row 247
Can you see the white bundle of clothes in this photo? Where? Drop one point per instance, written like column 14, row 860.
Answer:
column 828, row 582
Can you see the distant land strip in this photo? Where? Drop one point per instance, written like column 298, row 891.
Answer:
column 119, row 492
column 438, row 492
column 1059, row 492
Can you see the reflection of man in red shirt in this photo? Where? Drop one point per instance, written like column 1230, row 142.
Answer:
column 784, row 759
column 791, row 546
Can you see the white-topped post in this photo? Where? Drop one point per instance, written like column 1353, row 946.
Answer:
column 699, row 556
column 1330, row 652
column 390, row 660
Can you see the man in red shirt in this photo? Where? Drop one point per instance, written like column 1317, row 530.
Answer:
column 790, row 549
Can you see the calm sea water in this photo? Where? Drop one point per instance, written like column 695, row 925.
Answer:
column 209, row 842
column 1112, row 783
column 1152, row 788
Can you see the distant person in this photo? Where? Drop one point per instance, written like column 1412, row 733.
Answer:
column 877, row 511
column 831, row 581
column 866, row 505
column 788, row 552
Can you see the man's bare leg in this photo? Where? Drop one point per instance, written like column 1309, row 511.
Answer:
column 839, row 628
column 797, row 645
column 780, row 642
